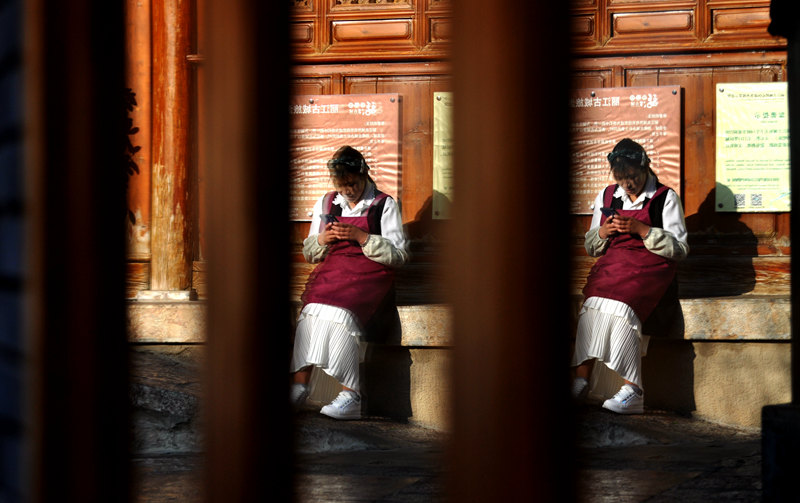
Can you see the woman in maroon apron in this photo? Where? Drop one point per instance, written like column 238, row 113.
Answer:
column 639, row 233
column 357, row 239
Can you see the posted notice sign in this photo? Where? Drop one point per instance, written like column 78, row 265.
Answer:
column 752, row 163
column 602, row 117
column 370, row 123
column 442, row 154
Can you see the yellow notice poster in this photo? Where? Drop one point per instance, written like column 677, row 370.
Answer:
column 442, row 154
column 752, row 147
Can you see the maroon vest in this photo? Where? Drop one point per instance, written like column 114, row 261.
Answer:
column 629, row 272
column 346, row 278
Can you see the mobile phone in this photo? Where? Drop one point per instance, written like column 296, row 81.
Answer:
column 609, row 212
column 328, row 218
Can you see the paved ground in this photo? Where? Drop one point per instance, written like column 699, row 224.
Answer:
column 661, row 457
column 656, row 457
column 369, row 460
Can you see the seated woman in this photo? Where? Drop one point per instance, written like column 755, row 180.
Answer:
column 357, row 239
column 639, row 233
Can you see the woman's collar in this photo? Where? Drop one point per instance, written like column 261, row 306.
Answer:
column 367, row 196
column 648, row 192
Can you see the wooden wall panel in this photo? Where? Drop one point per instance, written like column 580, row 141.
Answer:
column 369, row 6
column 751, row 21
column 316, row 85
column 584, row 29
column 642, row 26
column 302, row 33
column 592, row 79
column 440, row 30
column 360, row 85
column 362, row 30
column 372, row 33
column 670, row 23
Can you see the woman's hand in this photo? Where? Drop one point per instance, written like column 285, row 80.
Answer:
column 628, row 225
column 327, row 237
column 607, row 229
column 347, row 232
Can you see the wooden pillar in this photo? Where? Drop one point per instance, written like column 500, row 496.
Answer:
column 172, row 214
column 249, row 434
column 138, row 69
column 509, row 252
column 77, row 398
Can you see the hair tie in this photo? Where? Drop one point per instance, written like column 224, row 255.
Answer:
column 356, row 164
column 637, row 156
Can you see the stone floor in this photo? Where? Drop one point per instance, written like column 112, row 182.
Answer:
column 368, row 460
column 655, row 457
column 662, row 457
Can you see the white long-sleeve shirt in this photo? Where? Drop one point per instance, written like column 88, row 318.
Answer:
column 387, row 248
column 669, row 242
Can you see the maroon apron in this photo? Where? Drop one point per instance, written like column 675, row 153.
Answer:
column 629, row 272
column 346, row 278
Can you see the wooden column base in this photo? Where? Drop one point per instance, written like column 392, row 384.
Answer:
column 176, row 295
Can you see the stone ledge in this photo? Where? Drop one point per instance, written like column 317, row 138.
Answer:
column 155, row 322
column 426, row 325
column 741, row 318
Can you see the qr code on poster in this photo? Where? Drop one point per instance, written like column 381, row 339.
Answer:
column 738, row 200
column 756, row 200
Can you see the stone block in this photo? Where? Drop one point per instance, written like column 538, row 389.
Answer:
column 734, row 381
column 166, row 321
column 426, row 325
column 738, row 318
column 410, row 384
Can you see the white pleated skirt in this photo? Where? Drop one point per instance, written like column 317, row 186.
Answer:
column 609, row 331
column 329, row 338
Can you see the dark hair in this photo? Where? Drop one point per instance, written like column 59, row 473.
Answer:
column 626, row 156
column 347, row 161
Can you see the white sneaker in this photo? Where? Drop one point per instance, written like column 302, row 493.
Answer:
column 627, row 401
column 345, row 406
column 298, row 394
column 580, row 388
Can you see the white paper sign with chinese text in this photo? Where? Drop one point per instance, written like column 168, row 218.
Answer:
column 752, row 155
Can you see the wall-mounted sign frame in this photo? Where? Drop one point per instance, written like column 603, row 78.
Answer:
column 442, row 154
column 752, row 147
column 602, row 117
column 320, row 124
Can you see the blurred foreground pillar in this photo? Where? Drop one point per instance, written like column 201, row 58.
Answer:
column 77, row 401
column 780, row 424
column 248, row 423
column 513, row 439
